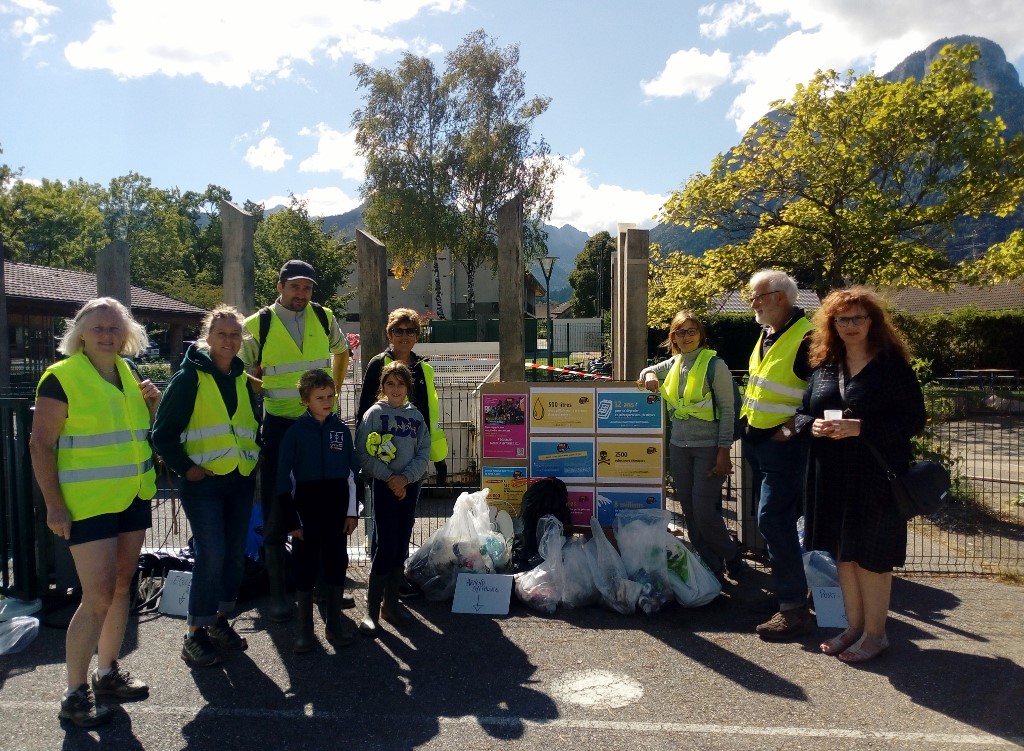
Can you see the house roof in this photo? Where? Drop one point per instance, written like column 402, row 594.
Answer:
column 1006, row 296
column 558, row 310
column 64, row 291
column 734, row 302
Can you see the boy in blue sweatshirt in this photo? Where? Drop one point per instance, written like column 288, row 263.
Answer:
column 316, row 489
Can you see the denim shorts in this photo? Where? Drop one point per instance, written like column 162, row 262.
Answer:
column 139, row 515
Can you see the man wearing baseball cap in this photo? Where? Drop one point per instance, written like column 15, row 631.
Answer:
column 289, row 337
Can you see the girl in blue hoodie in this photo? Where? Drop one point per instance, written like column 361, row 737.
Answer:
column 316, row 489
column 393, row 443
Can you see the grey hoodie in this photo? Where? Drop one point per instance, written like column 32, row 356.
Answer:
column 409, row 434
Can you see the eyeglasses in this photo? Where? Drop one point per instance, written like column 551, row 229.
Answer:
column 755, row 297
column 685, row 332
column 846, row 321
column 405, row 332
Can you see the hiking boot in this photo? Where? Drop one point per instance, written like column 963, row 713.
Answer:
column 225, row 637
column 198, row 651
column 787, row 624
column 120, row 684
column 80, row 708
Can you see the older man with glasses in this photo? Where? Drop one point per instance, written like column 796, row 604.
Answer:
column 779, row 371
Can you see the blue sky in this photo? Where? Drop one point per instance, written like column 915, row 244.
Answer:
column 258, row 96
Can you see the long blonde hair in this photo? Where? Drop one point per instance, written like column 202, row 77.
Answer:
column 135, row 337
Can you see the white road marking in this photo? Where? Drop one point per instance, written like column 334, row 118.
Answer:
column 679, row 728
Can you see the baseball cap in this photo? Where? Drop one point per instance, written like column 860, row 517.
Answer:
column 296, row 269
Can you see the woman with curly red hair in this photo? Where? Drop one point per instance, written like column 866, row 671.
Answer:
column 862, row 370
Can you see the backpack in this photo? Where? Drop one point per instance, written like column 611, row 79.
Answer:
column 547, row 495
column 266, row 314
column 737, row 400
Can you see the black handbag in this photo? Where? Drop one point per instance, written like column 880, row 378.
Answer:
column 921, row 491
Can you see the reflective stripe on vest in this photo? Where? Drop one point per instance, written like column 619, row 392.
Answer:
column 215, row 441
column 438, row 440
column 283, row 361
column 694, row 402
column 774, row 391
column 103, row 458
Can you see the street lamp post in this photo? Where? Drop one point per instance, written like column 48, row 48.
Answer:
column 547, row 263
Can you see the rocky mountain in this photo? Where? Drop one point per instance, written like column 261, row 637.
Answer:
column 993, row 72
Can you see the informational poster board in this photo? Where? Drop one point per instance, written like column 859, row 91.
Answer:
column 605, row 440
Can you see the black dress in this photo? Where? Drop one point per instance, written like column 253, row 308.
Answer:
column 848, row 506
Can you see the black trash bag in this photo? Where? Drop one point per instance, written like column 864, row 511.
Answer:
column 545, row 496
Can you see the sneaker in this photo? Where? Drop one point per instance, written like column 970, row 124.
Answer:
column 225, row 637
column 80, row 708
column 198, row 651
column 787, row 624
column 119, row 684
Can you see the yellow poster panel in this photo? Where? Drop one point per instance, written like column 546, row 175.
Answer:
column 562, row 410
column 507, row 485
column 638, row 460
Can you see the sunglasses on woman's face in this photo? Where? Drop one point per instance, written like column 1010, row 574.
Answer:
column 404, row 332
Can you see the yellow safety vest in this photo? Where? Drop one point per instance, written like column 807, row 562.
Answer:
column 283, row 362
column 104, row 460
column 215, row 441
column 438, row 440
column 774, row 391
column 694, row 402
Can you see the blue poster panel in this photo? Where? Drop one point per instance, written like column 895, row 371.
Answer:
column 567, row 458
column 610, row 500
column 628, row 410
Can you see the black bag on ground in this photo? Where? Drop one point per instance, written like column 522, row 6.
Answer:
column 548, row 495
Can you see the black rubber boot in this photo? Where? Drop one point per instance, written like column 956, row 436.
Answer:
column 304, row 627
column 339, row 630
column 393, row 611
column 374, row 594
column 281, row 608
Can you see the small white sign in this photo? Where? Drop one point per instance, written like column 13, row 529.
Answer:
column 174, row 600
column 486, row 594
column 829, row 608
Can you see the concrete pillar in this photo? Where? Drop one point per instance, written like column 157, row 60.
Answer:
column 373, row 294
column 511, row 291
column 237, row 229
column 113, row 272
column 634, row 299
column 5, row 339
column 619, row 312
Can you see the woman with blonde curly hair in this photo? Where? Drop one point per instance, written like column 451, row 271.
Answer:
column 862, row 372
column 94, row 466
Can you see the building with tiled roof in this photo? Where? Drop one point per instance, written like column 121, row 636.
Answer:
column 734, row 302
column 1006, row 296
column 40, row 298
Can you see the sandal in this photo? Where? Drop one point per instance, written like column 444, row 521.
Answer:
column 866, row 648
column 841, row 643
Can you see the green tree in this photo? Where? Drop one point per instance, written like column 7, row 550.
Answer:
column 1003, row 262
column 292, row 233
column 855, row 180
column 591, row 279
column 405, row 131
column 53, row 224
column 445, row 152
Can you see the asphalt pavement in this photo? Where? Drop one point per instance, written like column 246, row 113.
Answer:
column 682, row 679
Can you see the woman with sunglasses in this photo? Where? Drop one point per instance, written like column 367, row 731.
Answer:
column 403, row 331
column 697, row 388
column 862, row 377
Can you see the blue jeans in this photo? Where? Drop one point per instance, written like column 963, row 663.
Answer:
column 393, row 522
column 780, row 466
column 218, row 508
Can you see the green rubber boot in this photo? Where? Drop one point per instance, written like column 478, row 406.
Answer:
column 374, row 595
column 304, row 640
column 393, row 611
column 339, row 631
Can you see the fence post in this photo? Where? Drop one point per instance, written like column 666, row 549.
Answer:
column 23, row 536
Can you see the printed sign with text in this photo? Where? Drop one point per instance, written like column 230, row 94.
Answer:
column 561, row 410
column 612, row 500
column 629, row 410
column 504, row 420
column 638, row 460
column 567, row 458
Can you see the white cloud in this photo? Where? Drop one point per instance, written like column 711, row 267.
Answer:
column 594, row 208
column 30, row 19
column 336, row 152
column 871, row 34
column 319, row 201
column 242, row 42
column 268, row 155
column 690, row 72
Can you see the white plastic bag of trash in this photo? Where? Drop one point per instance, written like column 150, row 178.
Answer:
column 17, row 633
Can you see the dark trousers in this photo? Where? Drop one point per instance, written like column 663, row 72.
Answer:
column 393, row 520
column 273, row 431
column 322, row 506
